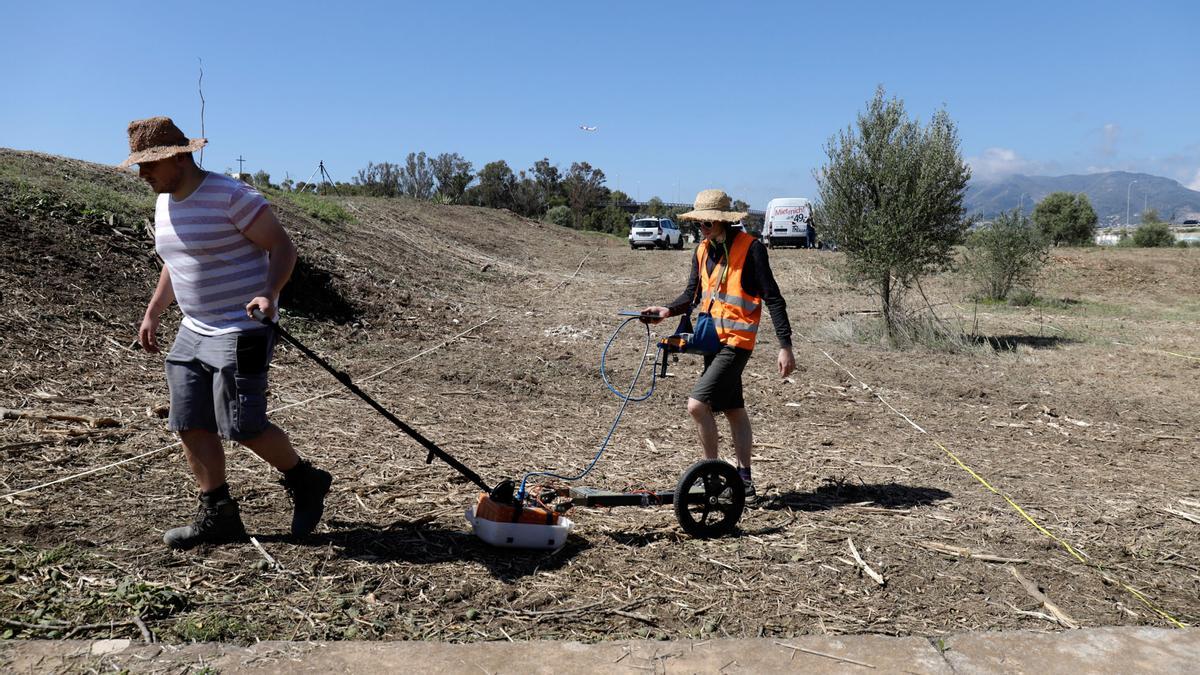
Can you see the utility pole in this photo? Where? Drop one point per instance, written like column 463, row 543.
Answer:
column 1127, row 201
column 239, row 161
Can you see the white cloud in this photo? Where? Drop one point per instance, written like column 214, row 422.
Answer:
column 1000, row 162
column 1195, row 184
column 1110, row 134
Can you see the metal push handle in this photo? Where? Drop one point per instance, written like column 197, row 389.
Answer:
column 429, row 445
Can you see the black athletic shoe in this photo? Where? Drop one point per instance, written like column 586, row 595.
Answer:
column 752, row 496
column 218, row 521
column 307, row 486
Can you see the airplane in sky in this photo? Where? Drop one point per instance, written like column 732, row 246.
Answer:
column 587, row 128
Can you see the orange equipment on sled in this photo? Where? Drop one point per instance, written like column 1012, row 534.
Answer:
column 489, row 509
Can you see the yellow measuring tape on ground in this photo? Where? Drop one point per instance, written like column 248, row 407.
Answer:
column 1160, row 351
column 1017, row 507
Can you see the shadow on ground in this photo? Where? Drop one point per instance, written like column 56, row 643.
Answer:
column 424, row 545
column 1009, row 343
column 311, row 292
column 834, row 494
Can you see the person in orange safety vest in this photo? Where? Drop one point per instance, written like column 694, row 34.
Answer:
column 731, row 280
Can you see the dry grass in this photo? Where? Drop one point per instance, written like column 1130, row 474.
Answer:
column 1095, row 439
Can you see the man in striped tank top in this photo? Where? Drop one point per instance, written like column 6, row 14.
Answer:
column 224, row 255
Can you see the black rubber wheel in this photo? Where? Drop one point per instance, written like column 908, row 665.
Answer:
column 709, row 499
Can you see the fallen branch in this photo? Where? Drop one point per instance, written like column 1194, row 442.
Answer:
column 271, row 561
column 959, row 552
column 1036, row 593
column 862, row 563
column 94, row 422
column 545, row 612
column 147, row 636
column 814, row 652
column 71, row 630
column 1037, row 615
column 718, row 563
column 640, row 617
column 1183, row 514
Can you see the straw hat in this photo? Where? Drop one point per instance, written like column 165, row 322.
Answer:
column 158, row 138
column 712, row 205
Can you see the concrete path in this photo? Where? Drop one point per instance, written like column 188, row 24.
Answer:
column 1098, row 650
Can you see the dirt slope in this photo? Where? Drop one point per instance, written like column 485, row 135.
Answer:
column 1087, row 420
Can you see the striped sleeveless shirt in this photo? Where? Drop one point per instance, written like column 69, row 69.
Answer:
column 215, row 270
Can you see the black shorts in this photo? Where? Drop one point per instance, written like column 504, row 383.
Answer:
column 720, row 385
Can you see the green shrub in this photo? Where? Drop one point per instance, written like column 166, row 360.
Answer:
column 78, row 202
column 1153, row 235
column 907, row 332
column 559, row 215
column 1005, row 254
column 1022, row 297
column 1182, row 243
column 321, row 208
column 1066, row 219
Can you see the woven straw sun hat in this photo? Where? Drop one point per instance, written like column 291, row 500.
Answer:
column 158, row 138
column 713, row 205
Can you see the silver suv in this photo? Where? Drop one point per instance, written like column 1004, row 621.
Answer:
column 655, row 233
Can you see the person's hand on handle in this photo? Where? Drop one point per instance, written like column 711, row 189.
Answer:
column 654, row 314
column 264, row 305
column 787, row 361
column 148, row 333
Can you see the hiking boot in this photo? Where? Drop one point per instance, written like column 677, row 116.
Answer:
column 307, row 487
column 218, row 521
column 752, row 496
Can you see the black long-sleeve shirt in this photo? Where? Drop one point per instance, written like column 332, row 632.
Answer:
column 757, row 280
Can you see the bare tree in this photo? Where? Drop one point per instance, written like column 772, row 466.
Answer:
column 416, row 179
column 548, row 179
column 379, row 180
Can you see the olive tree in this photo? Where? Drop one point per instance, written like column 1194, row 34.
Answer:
column 1005, row 254
column 892, row 198
column 1066, row 219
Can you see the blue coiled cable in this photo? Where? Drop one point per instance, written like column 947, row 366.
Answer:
column 625, row 399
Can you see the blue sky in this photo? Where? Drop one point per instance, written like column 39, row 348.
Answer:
column 686, row 95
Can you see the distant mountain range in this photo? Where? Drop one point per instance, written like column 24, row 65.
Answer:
column 1107, row 192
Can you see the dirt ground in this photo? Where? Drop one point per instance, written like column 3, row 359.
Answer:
column 484, row 331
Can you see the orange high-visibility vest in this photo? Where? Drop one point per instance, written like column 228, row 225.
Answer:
column 735, row 312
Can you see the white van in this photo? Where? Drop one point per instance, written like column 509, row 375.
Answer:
column 788, row 222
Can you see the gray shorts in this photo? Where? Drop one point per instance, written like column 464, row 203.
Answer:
column 720, row 385
column 219, row 383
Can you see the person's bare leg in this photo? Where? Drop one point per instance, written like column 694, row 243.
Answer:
column 306, row 484
column 743, row 435
column 206, row 457
column 274, row 447
column 218, row 520
column 706, row 426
